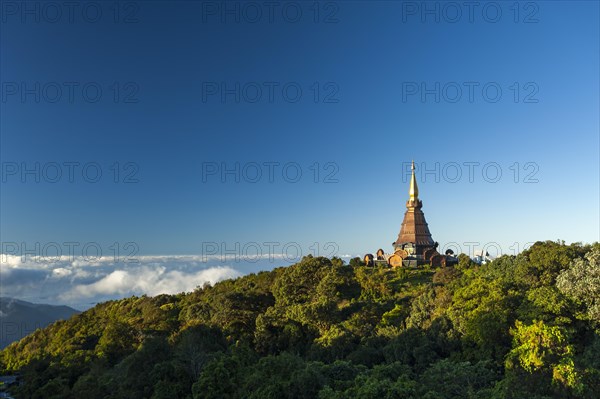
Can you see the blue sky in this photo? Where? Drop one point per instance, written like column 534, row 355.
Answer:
column 160, row 96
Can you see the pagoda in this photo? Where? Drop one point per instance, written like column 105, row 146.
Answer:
column 414, row 245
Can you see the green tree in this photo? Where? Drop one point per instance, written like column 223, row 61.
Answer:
column 447, row 379
column 356, row 262
column 117, row 340
column 544, row 350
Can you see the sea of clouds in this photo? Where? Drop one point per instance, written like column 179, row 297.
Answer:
column 80, row 283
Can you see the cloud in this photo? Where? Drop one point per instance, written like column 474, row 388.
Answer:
column 16, row 277
column 80, row 282
column 61, row 272
column 151, row 281
column 10, row 261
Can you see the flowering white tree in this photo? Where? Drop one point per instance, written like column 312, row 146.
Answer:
column 581, row 281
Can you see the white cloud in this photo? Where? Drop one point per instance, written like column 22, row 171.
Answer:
column 61, row 272
column 151, row 281
column 11, row 261
column 79, row 282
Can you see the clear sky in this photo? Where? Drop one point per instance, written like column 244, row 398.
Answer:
column 201, row 116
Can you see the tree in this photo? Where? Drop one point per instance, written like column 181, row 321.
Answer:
column 544, row 350
column 581, row 282
column 335, row 261
column 465, row 262
column 548, row 259
column 196, row 346
column 118, row 340
column 447, row 379
column 297, row 283
column 356, row 262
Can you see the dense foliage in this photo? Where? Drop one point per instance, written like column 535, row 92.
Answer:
column 525, row 326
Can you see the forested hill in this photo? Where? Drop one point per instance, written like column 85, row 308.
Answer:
column 18, row 318
column 519, row 327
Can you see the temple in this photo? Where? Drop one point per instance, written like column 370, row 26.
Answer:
column 414, row 236
column 414, row 245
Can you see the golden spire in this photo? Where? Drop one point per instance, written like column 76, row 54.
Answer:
column 413, row 192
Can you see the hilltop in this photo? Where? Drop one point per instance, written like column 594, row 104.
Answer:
column 520, row 326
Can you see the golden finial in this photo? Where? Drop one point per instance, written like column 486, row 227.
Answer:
column 413, row 192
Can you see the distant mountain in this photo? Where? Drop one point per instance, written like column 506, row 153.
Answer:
column 19, row 318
